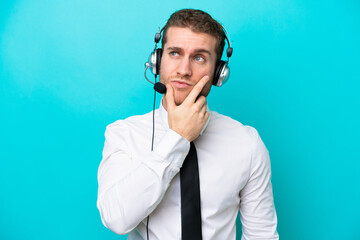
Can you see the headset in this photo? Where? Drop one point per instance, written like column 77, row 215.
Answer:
column 221, row 74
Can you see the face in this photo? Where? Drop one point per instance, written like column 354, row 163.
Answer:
column 187, row 57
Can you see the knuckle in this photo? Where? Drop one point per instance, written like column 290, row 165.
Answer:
column 197, row 108
column 202, row 99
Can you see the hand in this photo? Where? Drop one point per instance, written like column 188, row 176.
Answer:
column 188, row 118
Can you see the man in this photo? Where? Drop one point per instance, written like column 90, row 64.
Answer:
column 140, row 190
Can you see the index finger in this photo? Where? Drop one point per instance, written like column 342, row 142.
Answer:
column 196, row 90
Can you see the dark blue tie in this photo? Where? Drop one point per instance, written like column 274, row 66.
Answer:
column 190, row 197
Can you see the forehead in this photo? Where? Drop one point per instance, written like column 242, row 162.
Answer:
column 185, row 38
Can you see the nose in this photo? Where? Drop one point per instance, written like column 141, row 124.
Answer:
column 184, row 67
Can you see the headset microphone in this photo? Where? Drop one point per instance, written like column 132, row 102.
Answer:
column 160, row 88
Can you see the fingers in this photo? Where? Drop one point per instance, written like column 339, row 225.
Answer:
column 203, row 106
column 191, row 98
column 200, row 107
column 170, row 101
column 203, row 110
column 201, row 102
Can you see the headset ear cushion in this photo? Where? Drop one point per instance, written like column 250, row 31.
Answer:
column 219, row 67
column 158, row 60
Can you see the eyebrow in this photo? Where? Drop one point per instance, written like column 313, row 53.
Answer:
column 200, row 50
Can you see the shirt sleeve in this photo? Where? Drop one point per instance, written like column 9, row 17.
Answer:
column 257, row 210
column 132, row 185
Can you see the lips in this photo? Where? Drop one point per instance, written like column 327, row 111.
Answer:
column 180, row 84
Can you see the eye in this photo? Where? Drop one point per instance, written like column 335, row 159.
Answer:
column 174, row 54
column 199, row 59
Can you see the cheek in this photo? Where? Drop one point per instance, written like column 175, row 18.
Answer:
column 162, row 74
column 210, row 70
column 206, row 88
column 212, row 73
column 165, row 70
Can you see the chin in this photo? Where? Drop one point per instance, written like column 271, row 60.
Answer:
column 179, row 101
column 180, row 97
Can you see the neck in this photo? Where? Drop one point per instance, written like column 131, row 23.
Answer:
column 163, row 102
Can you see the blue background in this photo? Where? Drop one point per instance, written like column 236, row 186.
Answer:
column 68, row 68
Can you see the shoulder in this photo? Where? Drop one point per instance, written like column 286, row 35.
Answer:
column 131, row 121
column 233, row 133
column 124, row 127
column 242, row 138
column 231, row 126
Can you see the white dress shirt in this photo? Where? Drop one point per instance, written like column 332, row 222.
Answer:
column 234, row 173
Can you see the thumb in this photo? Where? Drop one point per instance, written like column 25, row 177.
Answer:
column 169, row 96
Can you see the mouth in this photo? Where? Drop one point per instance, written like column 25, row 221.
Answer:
column 180, row 84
